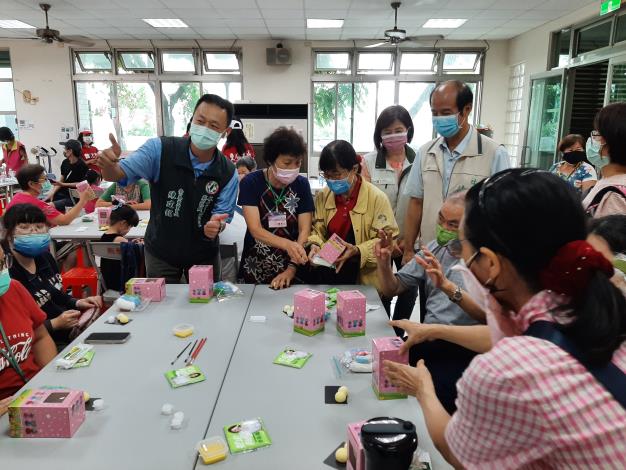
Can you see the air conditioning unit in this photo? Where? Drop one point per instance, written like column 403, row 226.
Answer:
column 278, row 55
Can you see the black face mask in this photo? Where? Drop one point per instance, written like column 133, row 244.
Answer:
column 575, row 157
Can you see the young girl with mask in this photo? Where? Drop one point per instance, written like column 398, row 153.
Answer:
column 277, row 206
column 353, row 209
column 574, row 168
column 25, row 345
column 388, row 168
column 535, row 399
column 123, row 218
column 28, row 240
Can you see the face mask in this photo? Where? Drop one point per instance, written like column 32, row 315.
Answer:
column 5, row 281
column 286, row 176
column 575, row 157
column 339, row 187
column 447, row 126
column 46, row 186
column 395, row 142
column 593, row 154
column 444, row 236
column 203, row 137
column 88, row 140
column 32, row 245
column 484, row 299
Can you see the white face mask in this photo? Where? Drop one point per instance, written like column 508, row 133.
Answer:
column 88, row 140
column 481, row 295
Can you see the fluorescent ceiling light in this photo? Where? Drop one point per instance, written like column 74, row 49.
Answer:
column 15, row 24
column 443, row 23
column 317, row 23
column 165, row 22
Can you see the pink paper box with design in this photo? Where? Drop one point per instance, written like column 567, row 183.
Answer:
column 331, row 250
column 104, row 214
column 386, row 349
column 200, row 283
column 356, row 455
column 309, row 310
column 82, row 186
column 53, row 412
column 149, row 288
column 351, row 313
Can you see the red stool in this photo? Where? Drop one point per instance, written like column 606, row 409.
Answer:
column 80, row 277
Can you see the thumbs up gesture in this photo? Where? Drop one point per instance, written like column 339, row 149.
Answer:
column 214, row 226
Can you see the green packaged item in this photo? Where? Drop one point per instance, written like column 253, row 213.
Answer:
column 246, row 436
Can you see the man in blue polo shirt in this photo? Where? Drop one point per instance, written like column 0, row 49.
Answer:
column 193, row 188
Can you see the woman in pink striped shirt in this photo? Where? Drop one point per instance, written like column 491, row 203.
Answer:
column 529, row 402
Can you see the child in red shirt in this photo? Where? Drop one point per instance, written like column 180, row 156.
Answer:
column 21, row 325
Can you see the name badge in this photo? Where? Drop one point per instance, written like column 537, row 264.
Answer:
column 277, row 220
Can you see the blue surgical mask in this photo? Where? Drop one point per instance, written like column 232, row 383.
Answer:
column 447, row 126
column 339, row 187
column 5, row 281
column 203, row 137
column 32, row 245
column 593, row 154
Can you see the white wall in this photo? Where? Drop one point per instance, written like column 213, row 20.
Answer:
column 532, row 48
column 45, row 70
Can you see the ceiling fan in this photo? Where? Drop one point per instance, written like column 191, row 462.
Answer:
column 49, row 36
column 396, row 35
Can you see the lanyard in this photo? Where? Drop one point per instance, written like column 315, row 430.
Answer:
column 278, row 199
column 9, row 356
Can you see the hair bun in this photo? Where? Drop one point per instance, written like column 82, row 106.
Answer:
column 573, row 266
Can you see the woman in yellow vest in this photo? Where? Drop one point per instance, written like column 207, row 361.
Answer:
column 353, row 209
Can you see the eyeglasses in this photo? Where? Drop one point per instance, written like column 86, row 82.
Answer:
column 596, row 134
column 334, row 176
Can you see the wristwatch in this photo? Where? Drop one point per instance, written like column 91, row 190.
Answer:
column 457, row 296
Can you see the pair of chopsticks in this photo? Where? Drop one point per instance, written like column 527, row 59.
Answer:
column 193, row 354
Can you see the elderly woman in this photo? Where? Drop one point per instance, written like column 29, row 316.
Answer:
column 353, row 209
column 573, row 167
column 536, row 399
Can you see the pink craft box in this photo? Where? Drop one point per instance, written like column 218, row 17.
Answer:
column 386, row 349
column 53, row 412
column 351, row 313
column 309, row 310
column 82, row 186
column 200, row 283
column 149, row 288
column 356, row 454
column 104, row 214
column 332, row 249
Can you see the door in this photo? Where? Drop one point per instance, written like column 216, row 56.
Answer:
column 544, row 119
column 616, row 86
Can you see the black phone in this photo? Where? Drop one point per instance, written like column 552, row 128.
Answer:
column 107, row 338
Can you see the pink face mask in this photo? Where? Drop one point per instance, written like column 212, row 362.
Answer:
column 286, row 176
column 394, row 142
column 484, row 299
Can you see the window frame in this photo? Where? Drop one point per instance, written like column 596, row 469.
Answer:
column 393, row 63
column 476, row 70
column 119, row 62
column 155, row 77
column 194, row 56
column 76, row 56
column 398, row 76
column 212, row 72
column 433, row 68
column 328, row 70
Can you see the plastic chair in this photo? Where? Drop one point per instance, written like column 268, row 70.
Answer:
column 106, row 250
column 80, row 277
